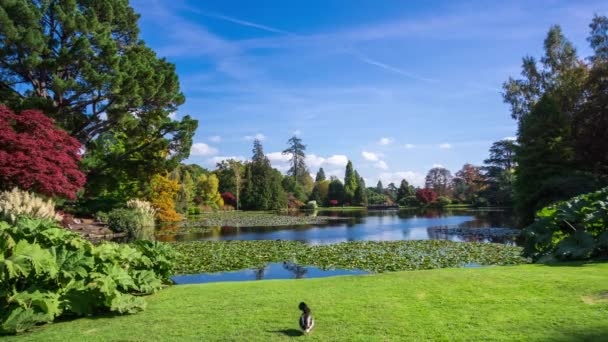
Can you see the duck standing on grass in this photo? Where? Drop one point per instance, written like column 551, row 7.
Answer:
column 306, row 320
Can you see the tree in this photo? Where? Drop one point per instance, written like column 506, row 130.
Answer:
column 499, row 172
column 391, row 191
column 186, row 192
column 207, row 191
column 350, row 183
column 162, row 192
column 230, row 175
column 335, row 191
column 320, row 175
column 590, row 122
column 379, row 187
column 545, row 156
column 297, row 157
column 37, row 156
column 469, row 181
column 439, row 180
column 405, row 191
column 561, row 75
column 263, row 189
column 320, row 192
column 84, row 65
column 426, row 196
column 360, row 193
column 598, row 39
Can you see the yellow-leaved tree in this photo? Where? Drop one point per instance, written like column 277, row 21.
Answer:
column 207, row 189
column 162, row 192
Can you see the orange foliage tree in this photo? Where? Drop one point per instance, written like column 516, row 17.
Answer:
column 163, row 190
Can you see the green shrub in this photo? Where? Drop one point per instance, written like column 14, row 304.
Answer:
column 16, row 203
column 312, row 205
column 194, row 211
column 572, row 229
column 48, row 272
column 409, row 201
column 102, row 217
column 443, row 201
column 133, row 221
column 480, row 202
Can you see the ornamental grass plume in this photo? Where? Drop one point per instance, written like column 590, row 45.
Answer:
column 16, row 203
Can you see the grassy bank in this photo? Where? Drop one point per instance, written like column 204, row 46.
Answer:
column 528, row 302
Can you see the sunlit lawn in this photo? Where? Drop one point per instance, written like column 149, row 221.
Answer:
column 528, row 302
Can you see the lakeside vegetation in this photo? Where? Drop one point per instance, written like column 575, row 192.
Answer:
column 527, row 302
column 256, row 219
column 373, row 256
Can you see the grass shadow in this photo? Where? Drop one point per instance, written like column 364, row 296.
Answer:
column 289, row 332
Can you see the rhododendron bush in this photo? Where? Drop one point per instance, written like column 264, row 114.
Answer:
column 35, row 155
column 426, row 196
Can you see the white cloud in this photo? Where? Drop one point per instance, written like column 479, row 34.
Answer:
column 202, row 150
column 414, row 178
column 297, row 132
column 409, row 146
column 386, row 141
column 445, row 146
column 371, row 156
column 280, row 161
column 381, row 165
column 337, row 160
column 258, row 136
column 219, row 159
column 215, row 138
column 437, row 165
column 278, row 157
column 510, row 138
column 173, row 115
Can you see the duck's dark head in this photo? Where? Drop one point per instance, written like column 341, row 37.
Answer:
column 304, row 307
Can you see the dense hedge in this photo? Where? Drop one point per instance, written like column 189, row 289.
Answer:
column 573, row 229
column 47, row 272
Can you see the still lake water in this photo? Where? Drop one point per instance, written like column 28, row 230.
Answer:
column 275, row 270
column 372, row 226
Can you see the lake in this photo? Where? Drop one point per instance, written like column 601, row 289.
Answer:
column 481, row 225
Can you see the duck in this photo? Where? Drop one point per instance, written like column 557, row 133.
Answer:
column 306, row 320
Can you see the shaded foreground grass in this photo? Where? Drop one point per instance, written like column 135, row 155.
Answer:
column 527, row 302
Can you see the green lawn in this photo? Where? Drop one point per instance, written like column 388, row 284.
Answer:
column 528, row 302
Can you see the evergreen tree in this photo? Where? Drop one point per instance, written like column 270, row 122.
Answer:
column 379, row 187
column 405, row 191
column 320, row 175
column 360, row 193
column 298, row 156
column 335, row 192
column 263, row 190
column 350, row 183
column 545, row 156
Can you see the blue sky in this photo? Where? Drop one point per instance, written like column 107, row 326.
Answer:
column 395, row 86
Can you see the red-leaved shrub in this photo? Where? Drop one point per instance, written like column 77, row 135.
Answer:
column 37, row 156
column 426, row 196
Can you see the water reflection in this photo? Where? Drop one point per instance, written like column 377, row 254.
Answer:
column 455, row 225
column 284, row 270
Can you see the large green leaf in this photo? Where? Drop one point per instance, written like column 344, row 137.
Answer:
column 576, row 246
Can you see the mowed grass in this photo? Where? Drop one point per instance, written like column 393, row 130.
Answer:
column 527, row 303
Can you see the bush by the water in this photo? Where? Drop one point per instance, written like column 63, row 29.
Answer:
column 48, row 272
column 17, row 203
column 138, row 217
column 573, row 229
